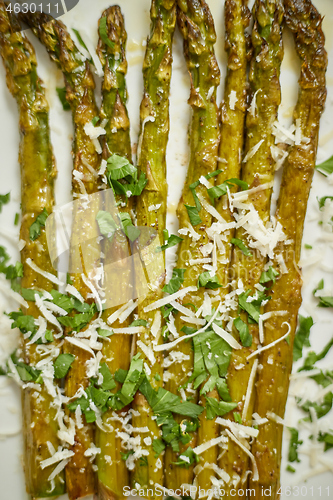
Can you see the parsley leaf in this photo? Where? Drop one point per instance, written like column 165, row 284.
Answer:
column 4, row 199
column 211, row 357
column 61, row 91
column 207, row 281
column 293, row 445
column 106, row 224
column 129, row 229
column 312, row 357
column 269, row 275
column 158, row 446
column 302, row 336
column 80, row 320
column 246, row 251
column 103, row 32
column 222, row 189
column 108, row 381
column 323, row 301
column 218, row 408
column 321, row 201
column 175, row 282
column 320, row 409
column 187, row 458
column 62, row 365
column 139, row 322
column 4, row 258
column 327, row 438
column 253, row 307
column 119, row 167
column 326, row 168
column 195, row 196
column 193, row 215
column 79, row 37
column 171, row 241
column 36, row 226
column 244, row 334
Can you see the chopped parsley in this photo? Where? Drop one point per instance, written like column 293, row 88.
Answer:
column 103, row 32
column 323, row 301
column 222, row 189
column 170, row 241
column 268, row 276
column 302, row 336
column 62, row 365
column 193, row 215
column 36, row 226
column 253, row 307
column 293, row 445
column 123, row 177
column 218, row 408
column 207, row 281
column 61, row 91
column 326, row 168
column 176, row 281
column 4, row 199
column 243, row 330
column 246, row 251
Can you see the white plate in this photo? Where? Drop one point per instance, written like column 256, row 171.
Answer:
column 84, row 17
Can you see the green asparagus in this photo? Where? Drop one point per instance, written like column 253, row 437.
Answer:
column 151, row 160
column 38, row 173
column 80, row 85
column 272, row 383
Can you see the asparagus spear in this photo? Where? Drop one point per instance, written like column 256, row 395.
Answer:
column 80, row 94
column 113, row 474
column 231, row 146
column 38, row 172
column 154, row 116
column 257, row 170
column 272, row 384
column 197, row 27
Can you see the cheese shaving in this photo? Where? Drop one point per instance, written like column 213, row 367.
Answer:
column 166, row 300
column 232, row 99
column 45, row 274
column 263, row 318
column 226, row 336
column 73, row 291
column 253, row 151
column 249, row 389
column 209, row 444
column 248, row 453
column 261, row 349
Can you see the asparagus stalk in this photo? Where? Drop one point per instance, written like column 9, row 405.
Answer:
column 113, row 474
column 80, row 94
column 257, row 170
column 151, row 160
column 272, row 384
column 231, row 146
column 38, row 173
column 197, row 27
